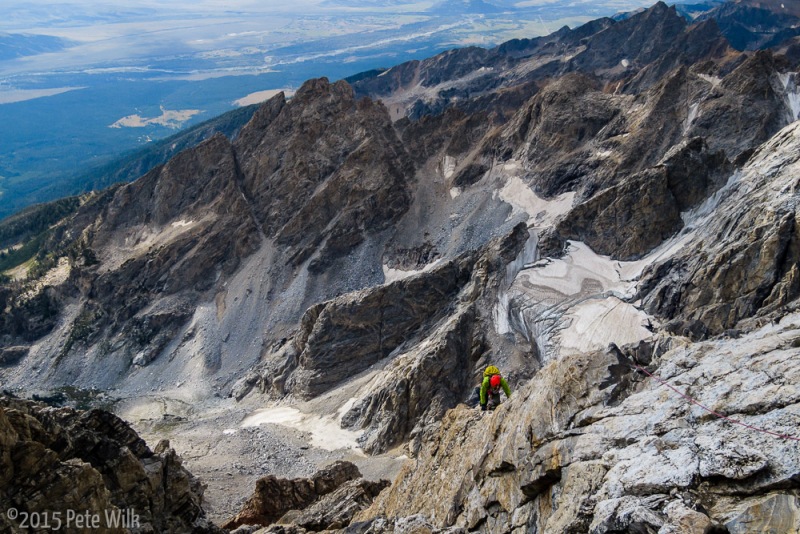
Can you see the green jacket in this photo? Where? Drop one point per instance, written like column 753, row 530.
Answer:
column 485, row 388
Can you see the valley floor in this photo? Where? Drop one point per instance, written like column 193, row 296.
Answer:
column 230, row 457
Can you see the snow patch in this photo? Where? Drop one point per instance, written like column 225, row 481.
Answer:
column 523, row 200
column 581, row 268
column 594, row 324
column 448, row 166
column 578, row 302
column 229, row 431
column 713, row 80
column 325, row 431
column 393, row 275
column 791, row 93
column 625, row 63
column 182, row 223
column 454, row 192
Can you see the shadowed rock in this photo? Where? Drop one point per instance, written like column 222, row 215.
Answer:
column 744, row 263
column 323, row 170
column 273, row 496
column 55, row 460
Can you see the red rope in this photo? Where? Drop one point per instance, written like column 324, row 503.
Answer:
column 709, row 410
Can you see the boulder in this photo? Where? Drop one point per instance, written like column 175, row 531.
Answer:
column 273, row 496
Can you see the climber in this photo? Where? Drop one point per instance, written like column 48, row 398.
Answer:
column 490, row 388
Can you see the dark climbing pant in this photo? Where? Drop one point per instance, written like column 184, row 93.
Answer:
column 492, row 400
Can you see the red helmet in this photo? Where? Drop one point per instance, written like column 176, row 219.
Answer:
column 495, row 381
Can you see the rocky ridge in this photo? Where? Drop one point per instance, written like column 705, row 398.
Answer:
column 57, row 461
column 327, row 500
column 579, row 450
column 593, row 444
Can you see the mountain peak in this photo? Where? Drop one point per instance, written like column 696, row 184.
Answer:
column 321, row 87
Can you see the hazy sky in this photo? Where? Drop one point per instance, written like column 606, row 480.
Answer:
column 116, row 33
column 37, row 10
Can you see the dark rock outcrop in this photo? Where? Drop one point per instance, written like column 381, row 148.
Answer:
column 60, row 460
column 337, row 509
column 744, row 263
column 630, row 219
column 756, row 25
column 341, row 338
column 627, row 220
column 11, row 355
column 195, row 203
column 746, row 109
column 27, row 318
column 554, row 129
column 323, row 170
column 641, row 39
column 698, row 44
column 329, row 499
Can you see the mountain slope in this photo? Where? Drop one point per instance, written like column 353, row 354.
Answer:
column 750, row 25
column 561, row 207
column 592, row 444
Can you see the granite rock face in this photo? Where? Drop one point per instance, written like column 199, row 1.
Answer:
column 744, row 263
column 420, row 329
column 62, row 460
column 559, row 457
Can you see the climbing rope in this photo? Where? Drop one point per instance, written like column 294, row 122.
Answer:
column 709, row 410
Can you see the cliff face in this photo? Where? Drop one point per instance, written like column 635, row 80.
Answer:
column 57, row 462
column 593, row 443
column 562, row 207
column 590, row 445
column 324, row 172
column 306, row 183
